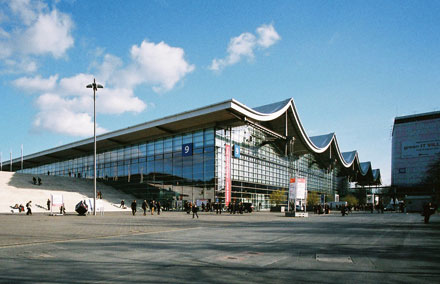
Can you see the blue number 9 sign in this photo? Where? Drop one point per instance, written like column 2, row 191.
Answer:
column 187, row 149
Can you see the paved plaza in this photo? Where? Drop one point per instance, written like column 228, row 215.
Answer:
column 249, row 248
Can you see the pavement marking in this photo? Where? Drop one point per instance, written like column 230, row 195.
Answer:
column 93, row 238
column 333, row 258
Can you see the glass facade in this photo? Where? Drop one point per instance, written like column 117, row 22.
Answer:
column 261, row 168
column 191, row 166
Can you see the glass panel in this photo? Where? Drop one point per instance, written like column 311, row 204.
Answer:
column 158, row 147
column 168, row 145
column 187, row 138
column 198, row 139
column 177, row 143
column 150, row 148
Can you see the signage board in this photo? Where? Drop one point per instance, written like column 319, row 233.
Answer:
column 57, row 199
column 412, row 149
column 187, row 149
column 297, row 188
column 236, row 151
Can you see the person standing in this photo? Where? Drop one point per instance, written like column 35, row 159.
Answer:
column 144, row 207
column 133, row 207
column 195, row 209
column 217, row 207
column 28, row 207
column 48, row 204
column 428, row 210
column 158, row 207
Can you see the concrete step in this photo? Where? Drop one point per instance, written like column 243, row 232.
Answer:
column 19, row 189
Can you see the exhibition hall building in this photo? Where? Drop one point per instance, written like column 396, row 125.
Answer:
column 224, row 152
column 415, row 147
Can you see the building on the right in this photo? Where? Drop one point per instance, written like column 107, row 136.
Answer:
column 415, row 146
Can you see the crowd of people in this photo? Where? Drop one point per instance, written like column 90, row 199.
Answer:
column 152, row 206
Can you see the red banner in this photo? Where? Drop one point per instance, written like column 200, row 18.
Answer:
column 227, row 174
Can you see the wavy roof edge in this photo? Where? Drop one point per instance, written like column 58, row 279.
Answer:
column 318, row 145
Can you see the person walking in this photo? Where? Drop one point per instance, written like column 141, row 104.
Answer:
column 144, row 207
column 152, row 206
column 343, row 210
column 28, row 207
column 195, row 209
column 133, row 207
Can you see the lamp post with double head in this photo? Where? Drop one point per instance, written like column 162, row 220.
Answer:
column 95, row 88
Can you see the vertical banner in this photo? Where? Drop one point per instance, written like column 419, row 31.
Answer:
column 292, row 189
column 227, row 174
column 297, row 188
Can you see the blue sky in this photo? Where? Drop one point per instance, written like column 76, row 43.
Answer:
column 351, row 66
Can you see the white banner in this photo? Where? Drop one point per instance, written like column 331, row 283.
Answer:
column 57, row 199
column 411, row 149
column 297, row 188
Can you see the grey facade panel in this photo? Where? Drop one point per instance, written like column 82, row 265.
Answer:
column 415, row 145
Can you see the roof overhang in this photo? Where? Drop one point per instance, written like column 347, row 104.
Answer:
column 279, row 120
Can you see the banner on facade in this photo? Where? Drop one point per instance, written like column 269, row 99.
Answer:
column 227, row 174
column 297, row 188
column 411, row 149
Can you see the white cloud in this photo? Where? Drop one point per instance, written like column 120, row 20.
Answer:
column 243, row 46
column 109, row 67
column 36, row 84
column 66, row 122
column 117, row 101
column 76, row 85
column 33, row 29
column 267, row 36
column 160, row 65
column 27, row 10
column 66, row 106
column 21, row 65
column 49, row 34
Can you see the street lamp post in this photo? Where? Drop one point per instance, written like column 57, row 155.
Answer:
column 95, row 87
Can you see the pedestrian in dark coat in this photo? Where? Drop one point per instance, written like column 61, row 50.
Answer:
column 133, row 207
column 195, row 209
column 28, row 206
column 428, row 210
column 144, row 207
column 158, row 207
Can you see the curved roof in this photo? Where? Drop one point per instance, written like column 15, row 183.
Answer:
column 325, row 146
column 280, row 120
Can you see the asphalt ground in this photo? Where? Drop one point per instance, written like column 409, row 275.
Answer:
column 249, row 248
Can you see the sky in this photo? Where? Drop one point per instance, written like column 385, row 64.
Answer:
column 350, row 66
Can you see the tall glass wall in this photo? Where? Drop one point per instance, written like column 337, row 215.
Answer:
column 155, row 169
column 159, row 169
column 261, row 168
